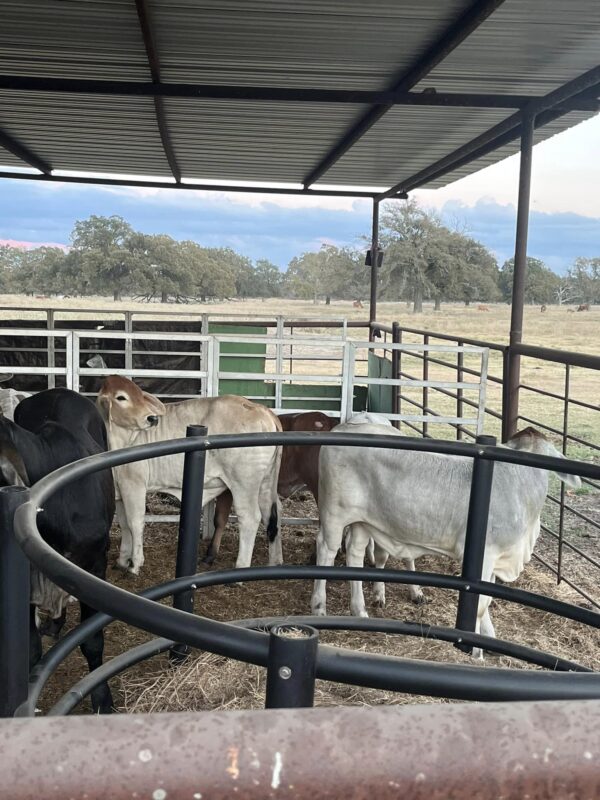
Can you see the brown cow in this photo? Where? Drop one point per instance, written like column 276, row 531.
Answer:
column 357, row 304
column 584, row 307
column 542, row 309
column 482, row 308
column 299, row 468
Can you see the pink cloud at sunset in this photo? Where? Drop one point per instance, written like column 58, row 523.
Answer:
column 30, row 245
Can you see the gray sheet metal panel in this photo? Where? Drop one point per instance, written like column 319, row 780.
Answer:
column 406, row 140
column 93, row 39
column 528, row 47
column 85, row 132
column 248, row 140
column 319, row 43
column 540, row 135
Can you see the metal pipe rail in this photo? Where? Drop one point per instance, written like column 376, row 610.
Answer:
column 332, row 664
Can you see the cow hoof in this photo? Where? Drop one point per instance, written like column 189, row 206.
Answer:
column 379, row 602
column 319, row 611
column 419, row 599
column 124, row 565
column 208, row 560
column 134, row 570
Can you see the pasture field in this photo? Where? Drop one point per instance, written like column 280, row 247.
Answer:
column 211, row 682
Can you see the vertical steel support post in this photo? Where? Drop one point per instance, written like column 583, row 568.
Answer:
column 477, row 521
column 291, row 666
column 519, row 273
column 374, row 262
column 190, row 521
column 14, row 606
column 396, row 339
column 505, row 436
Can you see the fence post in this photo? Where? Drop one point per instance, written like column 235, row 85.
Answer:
column 128, row 324
column 506, row 355
column 291, row 666
column 189, row 526
column 565, row 441
column 459, row 392
column 51, row 347
column 396, row 339
column 14, row 606
column 477, row 521
column 425, row 388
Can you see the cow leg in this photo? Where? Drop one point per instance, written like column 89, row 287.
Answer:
column 380, row 557
column 93, row 650
column 222, row 510
column 356, row 544
column 325, row 558
column 415, row 592
column 484, row 622
column 249, row 516
column 134, row 507
column 35, row 640
column 126, row 548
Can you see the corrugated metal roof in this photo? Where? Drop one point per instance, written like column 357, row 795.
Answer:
column 526, row 47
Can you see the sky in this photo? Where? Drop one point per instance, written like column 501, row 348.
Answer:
column 564, row 221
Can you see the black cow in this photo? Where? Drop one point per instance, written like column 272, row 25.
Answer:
column 57, row 427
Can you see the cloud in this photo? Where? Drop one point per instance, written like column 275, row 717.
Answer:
column 29, row 245
column 557, row 239
column 34, row 214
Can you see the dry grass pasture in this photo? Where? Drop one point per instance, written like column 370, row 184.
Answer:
column 206, row 681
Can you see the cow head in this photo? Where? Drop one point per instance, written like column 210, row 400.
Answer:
column 124, row 404
column 532, row 441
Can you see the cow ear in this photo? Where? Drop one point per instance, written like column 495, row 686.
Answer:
column 12, row 469
column 155, row 403
column 104, row 405
column 572, row 481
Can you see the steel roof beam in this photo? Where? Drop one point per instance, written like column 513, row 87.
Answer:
column 545, row 109
column 24, row 153
column 154, row 63
column 207, row 187
column 452, row 37
column 266, row 93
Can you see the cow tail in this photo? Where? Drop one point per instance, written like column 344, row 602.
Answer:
column 273, row 527
column 272, row 479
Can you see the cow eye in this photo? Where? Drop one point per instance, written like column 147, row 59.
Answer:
column 121, row 397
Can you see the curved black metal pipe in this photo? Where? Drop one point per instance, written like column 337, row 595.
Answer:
column 201, row 632
column 120, row 663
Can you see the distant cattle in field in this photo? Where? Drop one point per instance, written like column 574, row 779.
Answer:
column 583, row 307
column 483, row 308
column 542, row 309
column 570, row 310
column 357, row 304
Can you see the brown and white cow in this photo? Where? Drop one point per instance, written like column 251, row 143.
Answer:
column 299, row 469
column 133, row 416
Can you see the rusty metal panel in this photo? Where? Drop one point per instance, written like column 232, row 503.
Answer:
column 509, row 751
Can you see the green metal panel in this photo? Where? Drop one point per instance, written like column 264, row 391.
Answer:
column 380, row 397
column 239, row 363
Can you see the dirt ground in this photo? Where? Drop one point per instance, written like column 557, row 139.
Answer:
column 206, row 682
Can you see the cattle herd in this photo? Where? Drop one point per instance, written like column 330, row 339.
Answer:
column 378, row 502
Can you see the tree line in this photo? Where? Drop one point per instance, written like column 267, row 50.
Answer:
column 424, row 260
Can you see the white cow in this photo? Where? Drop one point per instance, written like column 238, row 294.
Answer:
column 412, row 503
column 136, row 417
